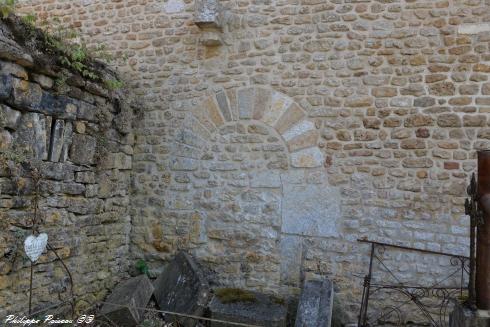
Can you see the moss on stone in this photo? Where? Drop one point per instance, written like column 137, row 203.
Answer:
column 278, row 300
column 234, row 295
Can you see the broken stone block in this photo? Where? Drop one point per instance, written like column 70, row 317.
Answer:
column 315, row 304
column 255, row 309
column 134, row 292
column 182, row 288
column 207, row 13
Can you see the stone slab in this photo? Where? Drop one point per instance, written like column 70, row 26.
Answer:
column 262, row 312
column 473, row 28
column 246, row 102
column 182, row 288
column 311, row 210
column 315, row 304
column 56, row 142
column 134, row 292
column 291, row 257
column 465, row 317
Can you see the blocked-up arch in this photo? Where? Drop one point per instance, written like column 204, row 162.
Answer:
column 270, row 107
column 235, row 160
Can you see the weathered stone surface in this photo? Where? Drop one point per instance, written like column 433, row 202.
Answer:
column 261, row 312
column 311, row 210
column 207, row 13
column 5, row 140
column 82, row 149
column 223, row 105
column 449, row 120
column 10, row 117
column 27, row 94
column 183, row 288
column 424, row 102
column 32, row 135
column 307, row 158
column 465, row 317
column 134, row 292
column 279, row 104
column 266, row 179
column 7, row 84
column 291, row 256
column 442, row 88
column 473, row 28
column 174, row 6
column 56, row 142
column 316, row 304
column 213, row 111
column 298, row 129
column 11, row 50
column 245, row 98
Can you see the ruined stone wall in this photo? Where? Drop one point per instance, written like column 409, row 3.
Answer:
column 77, row 137
column 271, row 145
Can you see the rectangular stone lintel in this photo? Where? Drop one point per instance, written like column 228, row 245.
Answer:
column 473, row 28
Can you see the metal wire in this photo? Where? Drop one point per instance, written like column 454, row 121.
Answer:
column 181, row 315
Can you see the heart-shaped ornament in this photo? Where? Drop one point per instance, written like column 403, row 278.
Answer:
column 35, row 246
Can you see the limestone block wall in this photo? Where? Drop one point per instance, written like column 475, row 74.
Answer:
column 313, row 123
column 78, row 140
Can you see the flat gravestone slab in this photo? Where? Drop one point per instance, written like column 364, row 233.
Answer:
column 264, row 311
column 315, row 304
column 182, row 288
column 134, row 292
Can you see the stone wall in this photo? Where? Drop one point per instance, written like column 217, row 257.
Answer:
column 279, row 132
column 78, row 138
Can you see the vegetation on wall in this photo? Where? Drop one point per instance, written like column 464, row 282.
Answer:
column 66, row 43
column 6, row 7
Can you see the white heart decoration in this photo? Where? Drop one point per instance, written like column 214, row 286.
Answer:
column 35, row 246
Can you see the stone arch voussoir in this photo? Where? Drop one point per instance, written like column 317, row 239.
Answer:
column 268, row 106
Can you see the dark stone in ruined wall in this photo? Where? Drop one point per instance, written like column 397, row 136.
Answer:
column 182, row 288
column 6, row 84
column 82, row 149
column 135, row 292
